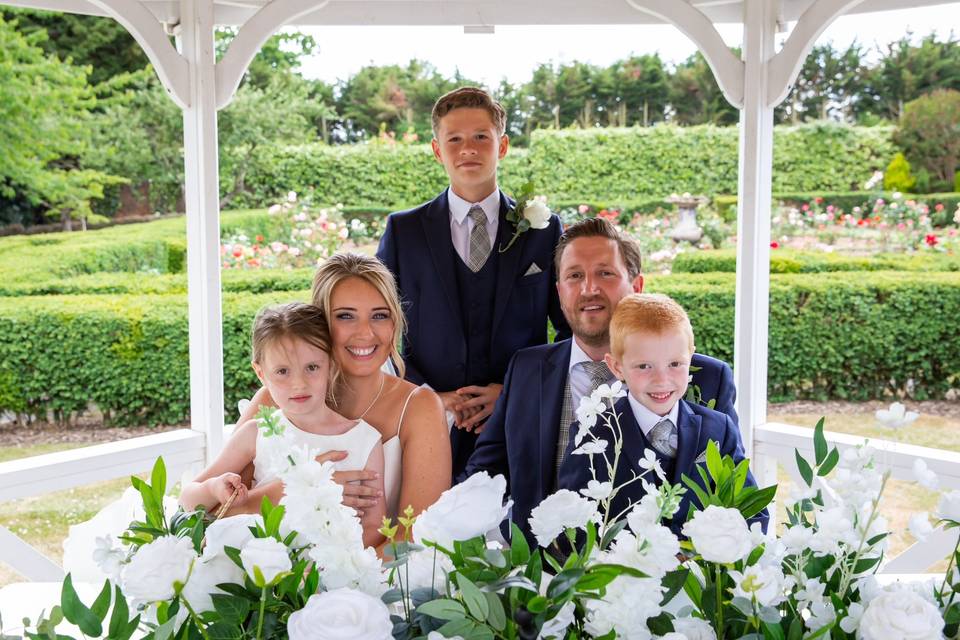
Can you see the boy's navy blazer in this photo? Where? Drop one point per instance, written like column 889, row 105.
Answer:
column 416, row 246
column 696, row 426
column 520, row 439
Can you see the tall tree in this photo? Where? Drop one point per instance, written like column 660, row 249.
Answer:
column 908, row 71
column 633, row 91
column 831, row 84
column 695, row 96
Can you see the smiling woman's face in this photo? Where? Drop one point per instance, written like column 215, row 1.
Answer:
column 361, row 327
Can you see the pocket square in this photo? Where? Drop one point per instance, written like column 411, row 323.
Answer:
column 702, row 458
column 533, row 270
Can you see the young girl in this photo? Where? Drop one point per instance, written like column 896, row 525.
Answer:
column 291, row 356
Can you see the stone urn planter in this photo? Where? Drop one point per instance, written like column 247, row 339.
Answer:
column 687, row 228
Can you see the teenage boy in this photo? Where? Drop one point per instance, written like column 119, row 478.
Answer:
column 470, row 304
column 651, row 344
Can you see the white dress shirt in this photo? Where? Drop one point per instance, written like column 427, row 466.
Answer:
column 461, row 225
column 648, row 419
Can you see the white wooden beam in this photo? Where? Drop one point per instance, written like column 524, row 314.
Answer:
column 27, row 561
column 256, row 31
column 785, row 66
column 727, row 69
column 202, row 196
column 171, row 68
column 753, row 220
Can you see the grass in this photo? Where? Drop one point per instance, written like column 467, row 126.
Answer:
column 43, row 521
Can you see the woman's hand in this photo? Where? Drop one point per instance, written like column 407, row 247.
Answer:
column 356, row 494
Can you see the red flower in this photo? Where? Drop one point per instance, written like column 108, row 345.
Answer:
column 259, row 238
column 860, row 222
column 818, row 200
column 774, row 245
column 939, row 207
column 931, row 240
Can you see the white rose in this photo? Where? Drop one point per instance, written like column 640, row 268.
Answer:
column 266, row 556
column 559, row 511
column 764, row 584
column 230, row 532
column 673, row 635
column 355, row 567
column 464, row 511
column 719, row 534
column 424, row 569
column 341, row 613
column 556, row 627
column 206, row 575
column 949, row 506
column 694, row 629
column 151, row 574
column 537, row 214
column 900, row 614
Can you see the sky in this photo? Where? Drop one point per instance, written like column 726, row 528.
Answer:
column 514, row 52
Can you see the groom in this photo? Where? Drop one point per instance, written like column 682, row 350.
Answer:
column 526, row 437
column 469, row 305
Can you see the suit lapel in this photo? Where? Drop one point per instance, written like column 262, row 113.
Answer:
column 436, row 227
column 553, row 377
column 633, row 440
column 688, row 443
column 509, row 261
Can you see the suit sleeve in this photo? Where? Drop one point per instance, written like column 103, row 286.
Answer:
column 733, row 447
column 490, row 452
column 387, row 253
column 554, row 311
column 727, row 394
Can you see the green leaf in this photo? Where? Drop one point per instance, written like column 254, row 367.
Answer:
column 158, row 478
column 460, row 627
column 611, row 533
column 804, row 468
column 519, row 547
column 537, row 604
column 714, row 462
column 119, row 619
column 829, row 463
column 472, row 597
column 443, row 609
column 101, row 605
column 76, row 612
column 563, row 582
column 673, row 581
column 693, row 589
column 819, row 443
column 230, row 608
column 496, row 615
column 697, row 490
column 757, row 501
column 224, row 631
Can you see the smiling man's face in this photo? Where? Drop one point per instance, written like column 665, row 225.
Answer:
column 592, row 280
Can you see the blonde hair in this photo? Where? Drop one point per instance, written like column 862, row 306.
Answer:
column 647, row 313
column 469, row 98
column 340, row 267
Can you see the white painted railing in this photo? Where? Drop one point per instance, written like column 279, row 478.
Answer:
column 775, row 443
column 182, row 451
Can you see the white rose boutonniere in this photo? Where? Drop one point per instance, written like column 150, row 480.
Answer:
column 530, row 212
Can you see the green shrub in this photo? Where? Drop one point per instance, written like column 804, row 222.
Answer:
column 897, row 177
column 837, row 337
column 929, row 134
column 793, row 261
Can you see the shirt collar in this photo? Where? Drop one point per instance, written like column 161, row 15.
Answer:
column 459, row 208
column 577, row 355
column 647, row 419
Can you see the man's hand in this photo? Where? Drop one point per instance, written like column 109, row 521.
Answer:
column 478, row 404
column 355, row 494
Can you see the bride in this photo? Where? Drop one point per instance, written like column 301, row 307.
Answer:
column 358, row 295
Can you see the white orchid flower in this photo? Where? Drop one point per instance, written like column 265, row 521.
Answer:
column 649, row 462
column 591, row 448
column 925, row 477
column 896, row 417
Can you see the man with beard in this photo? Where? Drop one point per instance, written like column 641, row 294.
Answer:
column 526, row 437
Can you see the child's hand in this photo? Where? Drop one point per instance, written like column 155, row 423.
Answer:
column 223, row 486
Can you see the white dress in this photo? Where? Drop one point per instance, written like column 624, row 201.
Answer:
column 358, row 442
column 393, row 465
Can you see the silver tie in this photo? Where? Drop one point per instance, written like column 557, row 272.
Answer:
column 599, row 374
column 663, row 438
column 479, row 239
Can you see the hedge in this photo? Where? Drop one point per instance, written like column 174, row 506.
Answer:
column 831, row 336
column 594, row 165
column 794, row 261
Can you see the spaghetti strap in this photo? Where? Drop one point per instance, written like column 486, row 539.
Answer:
column 403, row 411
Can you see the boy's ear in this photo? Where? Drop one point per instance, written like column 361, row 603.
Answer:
column 435, row 145
column 638, row 283
column 614, row 365
column 504, row 145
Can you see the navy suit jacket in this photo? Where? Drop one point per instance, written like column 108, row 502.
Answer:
column 520, row 438
column 696, row 425
column 416, row 246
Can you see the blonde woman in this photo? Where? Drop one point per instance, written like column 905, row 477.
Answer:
column 358, row 295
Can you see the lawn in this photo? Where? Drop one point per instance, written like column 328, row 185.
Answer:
column 44, row 520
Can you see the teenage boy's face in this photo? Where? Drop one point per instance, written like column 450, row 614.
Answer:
column 592, row 280
column 469, row 147
column 656, row 368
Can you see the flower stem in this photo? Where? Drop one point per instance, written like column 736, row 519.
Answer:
column 946, row 576
column 196, row 619
column 263, row 604
column 719, row 589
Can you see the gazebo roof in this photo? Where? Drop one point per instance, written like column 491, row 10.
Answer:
column 468, row 12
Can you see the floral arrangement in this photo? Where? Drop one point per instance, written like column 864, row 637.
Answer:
column 298, row 570
column 529, row 212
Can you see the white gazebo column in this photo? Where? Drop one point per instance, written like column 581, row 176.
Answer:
column 753, row 220
column 203, row 224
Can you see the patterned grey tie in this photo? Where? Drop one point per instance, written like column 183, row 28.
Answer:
column 663, row 438
column 479, row 239
column 599, row 374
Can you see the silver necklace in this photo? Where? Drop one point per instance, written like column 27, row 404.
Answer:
column 383, row 379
